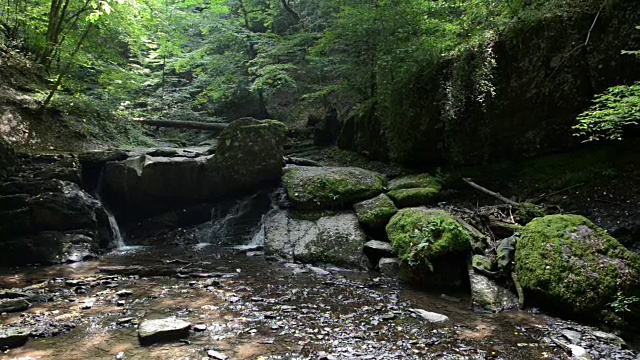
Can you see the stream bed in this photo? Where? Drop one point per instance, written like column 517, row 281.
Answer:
column 243, row 306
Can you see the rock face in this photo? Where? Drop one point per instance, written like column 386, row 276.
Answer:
column 249, row 154
column 7, row 159
column 45, row 217
column 162, row 330
column 564, row 263
column 330, row 187
column 335, row 239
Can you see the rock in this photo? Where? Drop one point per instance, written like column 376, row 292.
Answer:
column 49, row 247
column 414, row 181
column 421, row 234
column 216, row 355
column 249, row 153
column 611, row 338
column 13, row 305
column 335, row 239
column 330, row 187
column 162, row 330
column 101, row 156
column 376, row 250
column 69, row 209
column 565, row 263
column 506, row 251
column 124, row 293
column 8, row 159
column 579, row 353
column 482, row 263
column 430, row 316
column 13, row 337
column 374, row 214
column 389, row 266
column 573, row 336
column 65, row 169
column 200, row 328
column 487, row 295
column 414, row 197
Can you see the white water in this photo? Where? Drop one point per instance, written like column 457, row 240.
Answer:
column 220, row 228
column 115, row 230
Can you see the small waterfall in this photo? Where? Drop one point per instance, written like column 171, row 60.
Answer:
column 257, row 241
column 115, row 229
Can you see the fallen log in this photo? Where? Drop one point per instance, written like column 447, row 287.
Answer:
column 490, row 193
column 193, row 125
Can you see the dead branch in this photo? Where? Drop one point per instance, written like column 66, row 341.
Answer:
column 490, row 193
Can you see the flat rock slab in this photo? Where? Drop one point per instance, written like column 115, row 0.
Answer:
column 14, row 305
column 430, row 316
column 13, row 337
column 162, row 330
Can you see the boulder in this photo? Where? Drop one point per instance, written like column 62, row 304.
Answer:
column 13, row 337
column 487, row 295
column 249, row 153
column 13, row 305
column 564, row 263
column 376, row 250
column 162, row 330
column 482, row 263
column 330, row 187
column 414, row 197
column 506, row 252
column 335, row 239
column 414, row 181
column 419, row 235
column 374, row 214
column 389, row 266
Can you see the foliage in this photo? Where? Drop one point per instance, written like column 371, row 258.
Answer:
column 419, row 235
column 620, row 305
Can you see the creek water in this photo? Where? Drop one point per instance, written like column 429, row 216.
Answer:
column 249, row 306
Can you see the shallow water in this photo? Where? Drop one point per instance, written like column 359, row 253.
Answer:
column 256, row 309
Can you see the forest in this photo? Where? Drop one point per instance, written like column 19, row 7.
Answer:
column 320, row 179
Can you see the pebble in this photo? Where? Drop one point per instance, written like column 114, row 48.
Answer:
column 216, row 355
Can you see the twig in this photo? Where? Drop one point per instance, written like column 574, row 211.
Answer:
column 594, row 23
column 490, row 193
column 556, row 192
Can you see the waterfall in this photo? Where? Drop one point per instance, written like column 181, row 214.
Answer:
column 115, row 229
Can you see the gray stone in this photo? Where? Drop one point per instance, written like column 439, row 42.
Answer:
column 13, row 337
column 430, row 316
column 609, row 337
column 216, row 355
column 572, row 335
column 101, row 156
column 506, row 251
column 389, row 266
column 13, row 305
column 376, row 250
column 162, row 330
column 335, row 239
column 487, row 295
column 579, row 353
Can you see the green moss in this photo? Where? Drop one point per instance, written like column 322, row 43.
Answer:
column 375, row 213
column 482, row 262
column 419, row 235
column 318, row 188
column 415, row 181
column 569, row 264
column 414, row 197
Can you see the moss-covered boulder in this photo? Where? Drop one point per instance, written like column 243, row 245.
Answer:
column 420, row 235
column 249, row 152
column 374, row 214
column 414, row 181
column 330, row 187
column 564, row 263
column 414, row 197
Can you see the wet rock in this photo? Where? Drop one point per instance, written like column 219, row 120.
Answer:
column 482, row 263
column 564, row 263
column 101, row 156
column 335, row 239
column 200, row 328
column 124, row 293
column 430, row 316
column 376, row 250
column 216, row 355
column 506, row 252
column 123, row 321
column 389, row 266
column 162, row 330
column 330, row 187
column 579, row 353
column 374, row 214
column 487, row 295
column 72, row 208
column 611, row 338
column 13, row 337
column 13, row 305
column 572, row 335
